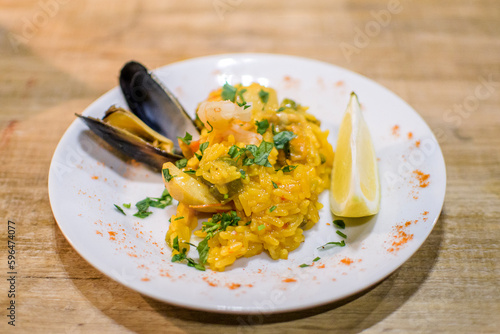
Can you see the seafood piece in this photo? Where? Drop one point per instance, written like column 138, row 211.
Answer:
column 155, row 104
column 143, row 133
column 128, row 134
column 219, row 114
column 185, row 188
column 229, row 118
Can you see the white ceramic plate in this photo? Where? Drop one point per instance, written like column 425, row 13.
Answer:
column 86, row 179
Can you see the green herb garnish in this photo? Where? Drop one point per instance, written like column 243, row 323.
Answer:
column 333, row 243
column 220, row 221
column 186, row 139
column 262, row 154
column 280, row 109
column 240, row 94
column 127, row 205
column 156, row 202
column 228, row 92
column 190, row 171
column 234, row 151
column 264, row 96
column 272, row 208
column 274, row 185
column 288, row 168
column 166, row 174
column 212, row 128
column 261, row 227
column 182, row 255
column 317, row 259
column 262, row 126
column 120, row 209
column 142, row 214
column 304, row 265
column 282, row 138
column 243, row 174
column 341, row 234
column 203, row 147
column 181, row 163
column 178, row 218
column 339, row 223
column 203, row 249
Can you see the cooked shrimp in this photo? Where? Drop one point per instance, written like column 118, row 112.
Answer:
column 220, row 113
column 241, row 135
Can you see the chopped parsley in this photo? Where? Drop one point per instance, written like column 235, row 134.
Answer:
column 288, row 168
column 280, row 109
column 120, row 209
column 264, row 96
column 186, row 139
column 274, row 185
column 243, row 174
column 178, row 218
column 228, row 92
column 160, row 202
column 244, row 105
column 309, row 265
column 142, row 214
column 341, row 234
column 339, row 223
column 220, row 221
column 166, row 174
column 261, row 227
column 235, row 151
column 248, row 222
column 282, row 138
column 262, row 126
column 240, row 94
column 181, row 163
column 182, row 255
column 212, row 128
column 271, row 209
column 127, row 205
column 203, row 147
column 203, row 249
column 332, row 243
column 190, row 171
column 260, row 154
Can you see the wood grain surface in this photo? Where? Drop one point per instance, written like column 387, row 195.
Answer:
column 442, row 57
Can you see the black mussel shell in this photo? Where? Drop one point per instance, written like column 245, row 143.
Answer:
column 154, row 104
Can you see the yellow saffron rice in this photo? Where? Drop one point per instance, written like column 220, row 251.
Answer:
column 276, row 204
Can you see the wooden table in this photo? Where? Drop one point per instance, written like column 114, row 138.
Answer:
column 442, row 57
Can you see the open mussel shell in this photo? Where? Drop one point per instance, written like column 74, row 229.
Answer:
column 138, row 142
column 154, row 104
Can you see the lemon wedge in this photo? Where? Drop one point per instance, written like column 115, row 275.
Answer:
column 355, row 188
